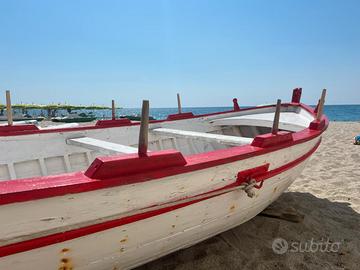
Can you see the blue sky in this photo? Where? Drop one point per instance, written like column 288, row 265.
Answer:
column 86, row 52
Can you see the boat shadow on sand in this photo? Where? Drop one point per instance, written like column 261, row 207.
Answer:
column 330, row 226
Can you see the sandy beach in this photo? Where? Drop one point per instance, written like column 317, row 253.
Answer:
column 327, row 195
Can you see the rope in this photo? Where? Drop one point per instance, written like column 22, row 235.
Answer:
column 249, row 186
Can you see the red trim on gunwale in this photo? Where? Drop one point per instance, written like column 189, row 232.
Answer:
column 269, row 139
column 180, row 116
column 17, row 128
column 76, row 233
column 110, row 167
column 112, row 124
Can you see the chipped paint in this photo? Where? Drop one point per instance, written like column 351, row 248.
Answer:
column 65, row 264
column 48, row 219
column 124, row 240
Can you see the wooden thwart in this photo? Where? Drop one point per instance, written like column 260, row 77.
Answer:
column 222, row 139
column 102, row 146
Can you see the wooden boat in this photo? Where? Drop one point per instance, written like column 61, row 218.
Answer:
column 97, row 198
column 135, row 117
column 75, row 118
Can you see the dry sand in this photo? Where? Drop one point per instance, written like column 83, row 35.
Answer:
column 328, row 195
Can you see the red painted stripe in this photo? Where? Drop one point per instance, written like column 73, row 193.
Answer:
column 17, row 128
column 65, row 236
column 113, row 123
column 180, row 116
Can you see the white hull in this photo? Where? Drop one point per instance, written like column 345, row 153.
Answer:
column 136, row 243
column 125, row 209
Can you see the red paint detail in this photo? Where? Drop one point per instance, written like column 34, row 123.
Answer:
column 318, row 125
column 296, row 96
column 236, row 105
column 17, row 128
column 259, row 186
column 260, row 173
column 113, row 123
column 180, row 116
column 116, row 166
column 245, row 176
column 268, row 140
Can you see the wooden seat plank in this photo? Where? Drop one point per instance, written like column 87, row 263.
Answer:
column 209, row 137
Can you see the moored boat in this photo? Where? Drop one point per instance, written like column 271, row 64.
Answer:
column 75, row 117
column 19, row 117
column 95, row 198
column 135, row 117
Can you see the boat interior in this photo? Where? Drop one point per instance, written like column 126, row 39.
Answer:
column 70, row 151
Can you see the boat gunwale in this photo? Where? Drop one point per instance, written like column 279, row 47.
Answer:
column 35, row 130
column 21, row 190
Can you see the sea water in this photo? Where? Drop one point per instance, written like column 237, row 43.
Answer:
column 334, row 112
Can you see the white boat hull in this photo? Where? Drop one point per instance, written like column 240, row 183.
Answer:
column 136, row 243
column 125, row 210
